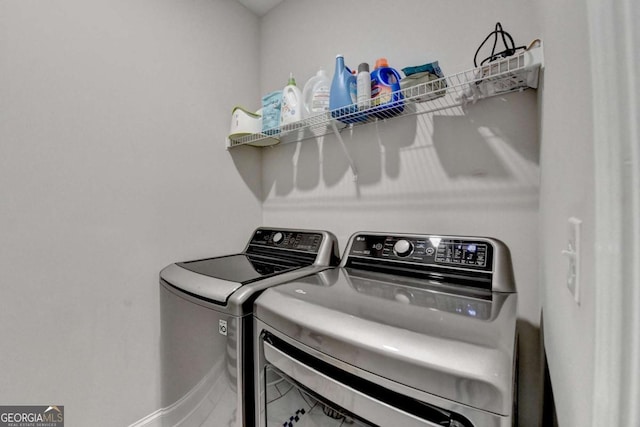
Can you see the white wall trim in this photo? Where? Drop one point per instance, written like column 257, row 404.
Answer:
column 613, row 38
column 152, row 420
column 195, row 406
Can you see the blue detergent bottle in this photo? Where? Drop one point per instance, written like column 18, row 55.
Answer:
column 343, row 95
column 386, row 98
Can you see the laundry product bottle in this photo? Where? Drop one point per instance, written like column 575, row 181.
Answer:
column 363, row 85
column 343, row 96
column 315, row 95
column 291, row 103
column 271, row 109
column 387, row 99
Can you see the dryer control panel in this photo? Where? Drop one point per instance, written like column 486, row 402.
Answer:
column 285, row 239
column 470, row 262
column 475, row 254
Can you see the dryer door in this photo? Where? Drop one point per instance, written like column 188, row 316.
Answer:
column 302, row 390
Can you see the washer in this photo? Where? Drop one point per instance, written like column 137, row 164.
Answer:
column 410, row 330
column 206, row 326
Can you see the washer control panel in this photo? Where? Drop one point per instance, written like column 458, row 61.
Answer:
column 292, row 240
column 467, row 253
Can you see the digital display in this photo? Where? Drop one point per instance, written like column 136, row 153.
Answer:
column 462, row 253
column 306, row 241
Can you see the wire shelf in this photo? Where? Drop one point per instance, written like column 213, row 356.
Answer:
column 515, row 73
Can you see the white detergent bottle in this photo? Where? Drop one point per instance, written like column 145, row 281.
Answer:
column 291, row 103
column 315, row 95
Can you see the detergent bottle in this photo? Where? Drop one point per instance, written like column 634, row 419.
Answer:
column 291, row 103
column 386, row 98
column 315, row 95
column 342, row 98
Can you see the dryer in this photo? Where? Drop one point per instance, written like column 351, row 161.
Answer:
column 411, row 330
column 206, row 324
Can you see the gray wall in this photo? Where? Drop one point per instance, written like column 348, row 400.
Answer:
column 470, row 171
column 113, row 115
column 567, row 165
column 112, row 121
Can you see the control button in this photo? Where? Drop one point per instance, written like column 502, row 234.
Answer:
column 430, row 251
column 403, row 248
column 277, row 238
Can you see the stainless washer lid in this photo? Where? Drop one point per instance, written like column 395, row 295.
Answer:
column 272, row 256
column 458, row 346
column 206, row 287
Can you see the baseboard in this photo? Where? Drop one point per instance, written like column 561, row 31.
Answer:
column 196, row 405
column 152, row 420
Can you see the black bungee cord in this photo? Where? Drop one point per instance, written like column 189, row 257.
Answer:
column 507, row 41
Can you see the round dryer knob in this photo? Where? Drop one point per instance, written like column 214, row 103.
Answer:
column 403, row 248
column 278, row 237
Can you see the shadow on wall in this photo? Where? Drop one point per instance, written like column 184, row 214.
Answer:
column 375, row 147
column 463, row 151
column 466, row 144
column 479, row 149
column 248, row 163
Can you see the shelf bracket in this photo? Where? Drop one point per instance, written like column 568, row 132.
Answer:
column 354, row 171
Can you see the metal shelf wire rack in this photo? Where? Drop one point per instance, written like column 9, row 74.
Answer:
column 515, row 73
